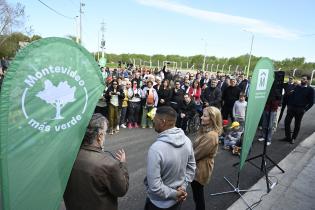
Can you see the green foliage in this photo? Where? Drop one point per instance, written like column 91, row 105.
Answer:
column 287, row 65
column 10, row 44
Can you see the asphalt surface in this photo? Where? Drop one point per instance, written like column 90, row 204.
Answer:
column 137, row 141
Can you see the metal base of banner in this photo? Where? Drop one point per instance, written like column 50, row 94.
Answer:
column 263, row 167
column 264, row 157
column 236, row 190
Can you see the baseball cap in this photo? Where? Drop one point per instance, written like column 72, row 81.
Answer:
column 235, row 124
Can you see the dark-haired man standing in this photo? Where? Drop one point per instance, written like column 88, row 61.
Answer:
column 170, row 164
column 300, row 100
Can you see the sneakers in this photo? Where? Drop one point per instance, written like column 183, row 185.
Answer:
column 236, row 150
column 130, row 125
column 226, row 147
column 136, row 125
column 292, row 141
column 268, row 143
column 123, row 126
column 261, row 139
column 111, row 132
column 117, row 128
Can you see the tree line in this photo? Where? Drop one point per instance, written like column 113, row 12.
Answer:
column 240, row 62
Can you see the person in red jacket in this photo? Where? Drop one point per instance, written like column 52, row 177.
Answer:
column 195, row 93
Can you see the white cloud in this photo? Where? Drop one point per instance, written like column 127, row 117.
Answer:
column 251, row 24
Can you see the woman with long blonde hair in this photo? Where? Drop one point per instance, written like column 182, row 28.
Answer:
column 205, row 149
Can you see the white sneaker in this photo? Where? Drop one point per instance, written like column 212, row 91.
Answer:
column 261, row 139
column 117, row 128
column 123, row 126
column 268, row 143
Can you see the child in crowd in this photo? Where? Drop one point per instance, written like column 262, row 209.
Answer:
column 239, row 110
column 233, row 138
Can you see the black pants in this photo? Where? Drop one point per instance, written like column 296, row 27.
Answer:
column 134, row 112
column 226, row 112
column 198, row 195
column 150, row 206
column 296, row 113
column 101, row 110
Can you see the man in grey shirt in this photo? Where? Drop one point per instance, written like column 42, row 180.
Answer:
column 170, row 164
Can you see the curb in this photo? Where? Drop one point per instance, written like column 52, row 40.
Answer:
column 293, row 165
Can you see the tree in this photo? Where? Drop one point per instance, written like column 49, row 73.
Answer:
column 10, row 43
column 197, row 60
column 10, row 16
column 58, row 96
column 35, row 37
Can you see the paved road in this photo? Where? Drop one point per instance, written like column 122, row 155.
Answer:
column 137, row 141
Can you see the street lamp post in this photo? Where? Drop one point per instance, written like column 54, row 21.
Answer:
column 250, row 52
column 204, row 58
column 81, row 12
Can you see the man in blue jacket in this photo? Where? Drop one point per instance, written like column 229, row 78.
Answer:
column 170, row 164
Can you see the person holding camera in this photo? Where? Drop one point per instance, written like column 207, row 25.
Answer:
column 114, row 96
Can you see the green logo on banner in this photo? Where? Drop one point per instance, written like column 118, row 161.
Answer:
column 47, row 99
column 56, row 97
column 260, row 85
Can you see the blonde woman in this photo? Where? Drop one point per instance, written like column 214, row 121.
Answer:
column 205, row 149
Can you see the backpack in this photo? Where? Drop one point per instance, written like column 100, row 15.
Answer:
column 150, row 98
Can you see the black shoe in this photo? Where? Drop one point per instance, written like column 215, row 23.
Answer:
column 285, row 139
column 292, row 141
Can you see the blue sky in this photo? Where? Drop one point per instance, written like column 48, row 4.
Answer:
column 282, row 29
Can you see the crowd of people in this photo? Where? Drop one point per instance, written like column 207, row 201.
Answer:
column 131, row 94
